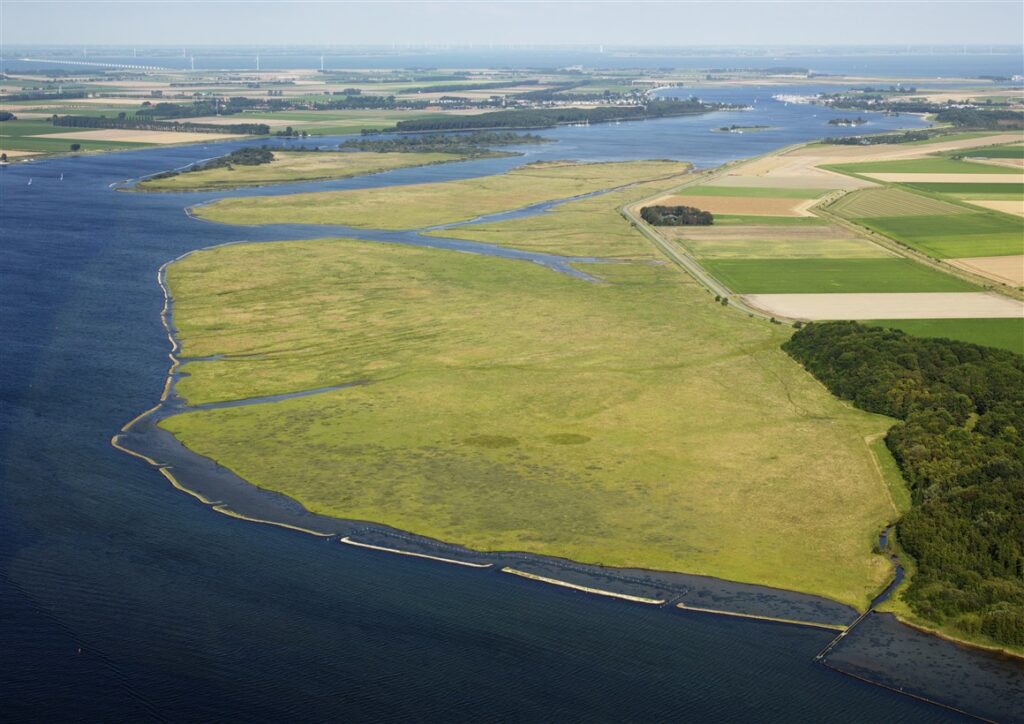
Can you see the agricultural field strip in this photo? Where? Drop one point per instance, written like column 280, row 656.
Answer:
column 866, row 306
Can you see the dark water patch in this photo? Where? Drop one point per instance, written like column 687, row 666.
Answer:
column 885, row 651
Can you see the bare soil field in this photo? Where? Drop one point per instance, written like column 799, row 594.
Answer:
column 243, row 118
column 882, row 202
column 742, row 205
column 127, row 135
column 1006, row 269
column 917, row 305
column 1007, row 207
column 946, row 178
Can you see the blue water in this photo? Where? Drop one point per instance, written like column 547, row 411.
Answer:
column 121, row 598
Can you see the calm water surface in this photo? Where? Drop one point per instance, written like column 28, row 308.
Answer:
column 121, row 598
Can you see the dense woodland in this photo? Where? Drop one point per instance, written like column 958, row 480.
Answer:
column 960, row 446
column 546, row 117
column 676, row 216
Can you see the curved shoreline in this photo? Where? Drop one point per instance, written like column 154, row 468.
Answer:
column 190, row 473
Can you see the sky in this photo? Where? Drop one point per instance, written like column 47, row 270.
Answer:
column 521, row 22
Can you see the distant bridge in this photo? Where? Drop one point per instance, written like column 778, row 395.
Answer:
column 121, row 66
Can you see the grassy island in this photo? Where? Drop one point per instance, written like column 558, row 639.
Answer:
column 291, row 166
column 629, row 422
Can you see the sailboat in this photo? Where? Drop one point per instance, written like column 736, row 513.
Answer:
column 30, row 182
column 62, row 176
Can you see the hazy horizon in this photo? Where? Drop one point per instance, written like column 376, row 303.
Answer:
column 648, row 23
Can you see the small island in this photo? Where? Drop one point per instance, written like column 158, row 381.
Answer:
column 740, row 129
column 858, row 121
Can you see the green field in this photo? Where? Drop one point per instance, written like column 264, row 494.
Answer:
column 891, row 201
column 782, row 248
column 27, row 136
column 295, row 166
column 1005, row 151
column 631, row 422
column 954, row 236
column 814, row 276
column 1003, row 333
column 922, row 165
column 421, row 205
column 764, row 192
column 981, row 191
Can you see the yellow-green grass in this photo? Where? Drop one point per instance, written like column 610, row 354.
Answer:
column 31, row 136
column 631, row 422
column 777, row 246
column 820, row 276
column 890, row 201
column 899, row 491
column 589, row 227
column 953, row 236
column 1003, row 333
column 289, row 166
column 420, row 205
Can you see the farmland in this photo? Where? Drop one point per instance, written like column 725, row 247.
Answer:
column 815, row 276
column 1002, row 333
column 952, row 236
column 923, row 166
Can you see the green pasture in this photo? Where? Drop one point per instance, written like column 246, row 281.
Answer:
column 781, row 248
column 1003, row 333
column 922, row 165
column 983, row 233
column 814, row 276
column 1011, row 190
column 1004, row 151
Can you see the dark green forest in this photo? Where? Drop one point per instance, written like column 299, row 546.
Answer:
column 960, row 445
column 676, row 216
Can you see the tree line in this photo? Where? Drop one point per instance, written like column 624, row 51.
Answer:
column 249, row 156
column 144, row 124
column 959, row 443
